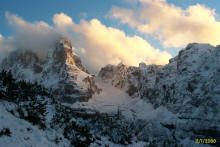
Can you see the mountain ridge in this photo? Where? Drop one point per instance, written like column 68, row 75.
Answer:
column 182, row 97
column 188, row 86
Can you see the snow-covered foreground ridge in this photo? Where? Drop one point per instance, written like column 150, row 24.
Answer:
column 149, row 105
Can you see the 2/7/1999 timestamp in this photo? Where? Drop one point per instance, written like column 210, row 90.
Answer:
column 205, row 141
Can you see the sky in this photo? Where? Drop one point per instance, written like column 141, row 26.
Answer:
column 110, row 31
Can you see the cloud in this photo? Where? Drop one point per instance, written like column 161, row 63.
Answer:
column 62, row 19
column 37, row 36
column 97, row 44
column 106, row 45
column 172, row 25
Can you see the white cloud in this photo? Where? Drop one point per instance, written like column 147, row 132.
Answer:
column 61, row 19
column 96, row 43
column 106, row 45
column 37, row 36
column 170, row 24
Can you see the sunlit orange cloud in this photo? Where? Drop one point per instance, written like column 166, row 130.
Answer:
column 108, row 45
column 97, row 44
column 101, row 45
column 172, row 25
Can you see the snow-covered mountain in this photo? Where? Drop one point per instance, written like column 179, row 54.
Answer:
column 62, row 71
column 188, row 87
column 149, row 105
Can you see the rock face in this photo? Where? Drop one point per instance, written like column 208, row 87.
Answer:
column 62, row 71
column 189, row 87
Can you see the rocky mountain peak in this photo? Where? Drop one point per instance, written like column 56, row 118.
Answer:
column 63, row 52
column 62, row 71
column 66, row 42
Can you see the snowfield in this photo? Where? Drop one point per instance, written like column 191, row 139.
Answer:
column 23, row 134
column 112, row 100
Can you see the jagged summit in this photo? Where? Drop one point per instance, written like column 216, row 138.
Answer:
column 63, row 52
column 65, row 41
column 62, row 71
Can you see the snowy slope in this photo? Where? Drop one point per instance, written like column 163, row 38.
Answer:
column 23, row 133
column 152, row 121
column 112, row 100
